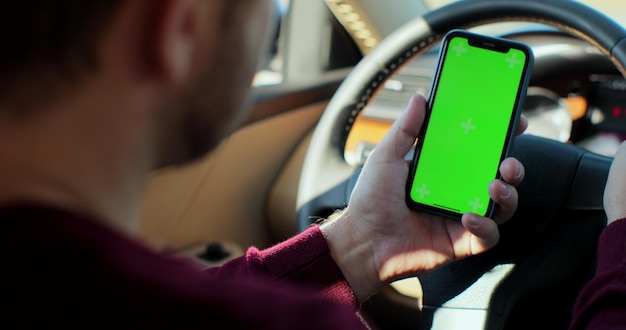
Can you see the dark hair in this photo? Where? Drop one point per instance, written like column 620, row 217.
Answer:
column 49, row 36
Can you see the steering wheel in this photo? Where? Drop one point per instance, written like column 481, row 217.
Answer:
column 551, row 240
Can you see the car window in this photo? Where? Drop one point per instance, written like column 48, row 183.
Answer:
column 309, row 46
column 270, row 69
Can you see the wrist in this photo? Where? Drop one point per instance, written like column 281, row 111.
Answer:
column 353, row 253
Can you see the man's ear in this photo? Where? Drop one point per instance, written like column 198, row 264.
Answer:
column 175, row 37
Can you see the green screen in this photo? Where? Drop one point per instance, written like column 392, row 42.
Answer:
column 472, row 107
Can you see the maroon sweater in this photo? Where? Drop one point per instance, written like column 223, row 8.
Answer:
column 65, row 270
column 602, row 302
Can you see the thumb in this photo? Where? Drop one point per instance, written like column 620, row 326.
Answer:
column 401, row 137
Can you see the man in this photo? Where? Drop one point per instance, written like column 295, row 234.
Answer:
column 94, row 95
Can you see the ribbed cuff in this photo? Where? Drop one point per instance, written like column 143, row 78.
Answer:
column 306, row 260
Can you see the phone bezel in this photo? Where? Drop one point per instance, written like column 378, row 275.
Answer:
column 487, row 42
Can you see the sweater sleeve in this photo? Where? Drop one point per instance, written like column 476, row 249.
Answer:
column 602, row 302
column 303, row 260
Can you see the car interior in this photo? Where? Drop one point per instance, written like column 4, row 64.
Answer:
column 336, row 77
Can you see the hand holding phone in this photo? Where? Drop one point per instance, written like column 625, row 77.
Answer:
column 473, row 111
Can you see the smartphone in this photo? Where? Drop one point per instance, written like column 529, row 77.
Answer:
column 473, row 112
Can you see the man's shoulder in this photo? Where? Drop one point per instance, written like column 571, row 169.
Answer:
column 56, row 261
column 45, row 229
column 70, row 270
column 44, row 247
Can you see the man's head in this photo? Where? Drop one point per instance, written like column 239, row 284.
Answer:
column 48, row 40
column 196, row 57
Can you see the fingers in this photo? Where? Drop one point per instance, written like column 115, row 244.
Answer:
column 484, row 230
column 503, row 192
column 485, row 233
column 523, row 125
column 512, row 171
column 402, row 134
column 505, row 195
